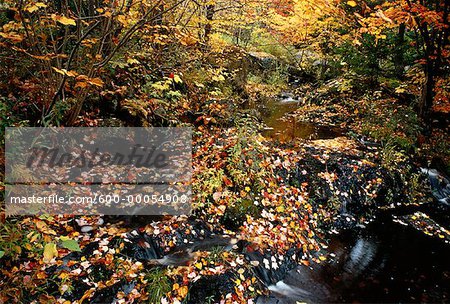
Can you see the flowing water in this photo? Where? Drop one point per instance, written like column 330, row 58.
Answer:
column 384, row 262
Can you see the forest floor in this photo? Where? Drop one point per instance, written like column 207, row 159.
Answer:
column 270, row 190
column 264, row 204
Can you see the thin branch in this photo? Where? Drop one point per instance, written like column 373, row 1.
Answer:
column 69, row 62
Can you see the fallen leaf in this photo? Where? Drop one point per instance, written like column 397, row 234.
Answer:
column 50, row 252
column 72, row 245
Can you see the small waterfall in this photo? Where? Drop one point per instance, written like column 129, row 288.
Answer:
column 440, row 185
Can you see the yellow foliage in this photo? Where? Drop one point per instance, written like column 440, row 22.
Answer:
column 63, row 20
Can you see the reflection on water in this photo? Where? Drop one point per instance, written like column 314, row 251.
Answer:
column 383, row 263
column 283, row 126
column 362, row 253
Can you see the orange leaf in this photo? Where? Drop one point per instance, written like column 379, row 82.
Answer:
column 96, row 81
column 183, row 291
column 11, row 36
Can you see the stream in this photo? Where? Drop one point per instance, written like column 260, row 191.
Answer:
column 283, row 126
column 387, row 259
column 384, row 261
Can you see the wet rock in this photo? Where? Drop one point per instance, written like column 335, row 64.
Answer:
column 270, row 267
column 211, row 289
column 108, row 294
column 143, row 247
column 346, row 181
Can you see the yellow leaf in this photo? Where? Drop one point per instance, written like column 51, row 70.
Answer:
column 12, row 36
column 64, row 275
column 65, row 72
column 87, row 294
column 60, row 71
column 66, row 21
column 63, row 20
column 188, row 40
column 133, row 61
column 198, row 265
column 182, row 291
column 34, row 7
column 352, row 3
column 177, row 79
column 41, row 275
column 123, row 20
column 50, row 252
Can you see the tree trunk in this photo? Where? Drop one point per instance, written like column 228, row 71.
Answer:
column 398, row 56
column 426, row 100
column 210, row 9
